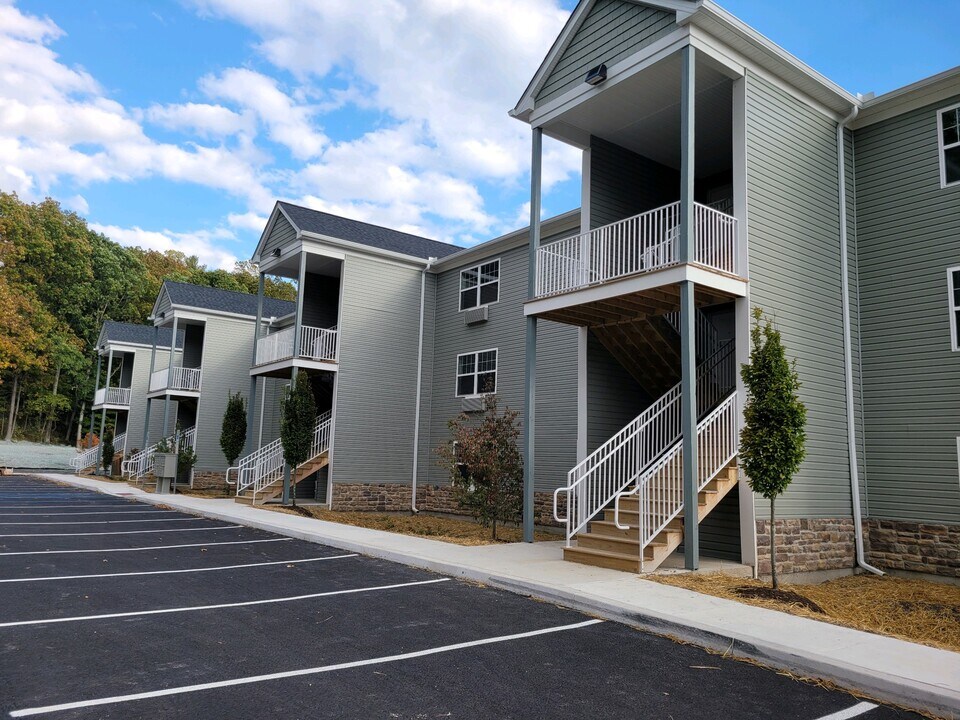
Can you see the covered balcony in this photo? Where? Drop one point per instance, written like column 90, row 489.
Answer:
column 112, row 398
column 318, row 344
column 178, row 381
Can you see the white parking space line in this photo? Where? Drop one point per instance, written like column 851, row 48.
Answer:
column 851, row 712
column 122, row 532
column 37, row 506
column 136, row 549
column 95, row 512
column 175, row 572
column 183, row 689
column 221, row 606
column 103, row 522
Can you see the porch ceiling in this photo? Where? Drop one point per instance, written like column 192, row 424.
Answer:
column 629, row 308
column 642, row 114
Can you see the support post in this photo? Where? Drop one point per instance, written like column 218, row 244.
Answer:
column 103, row 413
column 688, row 358
column 93, row 413
column 153, row 363
column 298, row 325
column 530, row 366
column 170, row 359
column 252, row 395
column 286, row 466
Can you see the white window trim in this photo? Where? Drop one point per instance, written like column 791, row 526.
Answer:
column 943, row 164
column 477, row 268
column 954, row 308
column 457, row 376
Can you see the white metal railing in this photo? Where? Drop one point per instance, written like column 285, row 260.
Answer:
column 140, row 463
column 186, row 379
column 637, row 244
column 315, row 344
column 600, row 477
column 91, row 456
column 186, row 439
column 112, row 396
column 264, row 467
column 660, row 489
column 707, row 337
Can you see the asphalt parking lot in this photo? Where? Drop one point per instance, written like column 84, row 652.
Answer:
column 114, row 609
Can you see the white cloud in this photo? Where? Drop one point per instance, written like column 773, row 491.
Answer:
column 202, row 243
column 77, row 203
column 200, row 118
column 247, row 221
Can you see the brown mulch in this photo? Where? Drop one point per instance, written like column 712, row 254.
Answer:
column 920, row 611
column 452, row 530
column 205, row 492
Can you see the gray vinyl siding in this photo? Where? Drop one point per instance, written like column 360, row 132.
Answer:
column 139, row 381
column 163, row 304
column 227, row 348
column 611, row 31
column 908, row 234
column 425, row 455
column 614, row 398
column 376, row 387
column 624, row 184
column 192, row 346
column 281, row 234
column 556, row 417
column 793, row 210
column 269, row 394
column 321, row 300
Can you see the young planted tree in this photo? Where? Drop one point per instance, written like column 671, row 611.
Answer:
column 233, row 432
column 485, row 465
column 106, row 454
column 772, row 441
column 298, row 415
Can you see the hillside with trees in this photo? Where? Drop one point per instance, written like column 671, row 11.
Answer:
column 59, row 280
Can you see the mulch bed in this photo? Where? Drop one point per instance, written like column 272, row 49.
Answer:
column 788, row 597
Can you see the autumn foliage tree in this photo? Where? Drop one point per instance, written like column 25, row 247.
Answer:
column 773, row 438
column 485, row 464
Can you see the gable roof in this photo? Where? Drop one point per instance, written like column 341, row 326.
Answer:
column 224, row 301
column 317, row 222
column 121, row 332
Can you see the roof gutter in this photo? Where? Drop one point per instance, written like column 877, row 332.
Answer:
column 416, row 415
column 847, row 353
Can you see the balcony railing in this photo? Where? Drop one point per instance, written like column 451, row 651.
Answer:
column 185, row 379
column 639, row 244
column 315, row 344
column 112, row 396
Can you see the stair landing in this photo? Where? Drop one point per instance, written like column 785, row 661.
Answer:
column 275, row 489
column 605, row 545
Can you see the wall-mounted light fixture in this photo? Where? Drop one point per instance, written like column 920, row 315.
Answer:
column 276, row 252
column 596, row 75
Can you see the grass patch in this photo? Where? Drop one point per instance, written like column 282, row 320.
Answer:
column 916, row 610
column 452, row 530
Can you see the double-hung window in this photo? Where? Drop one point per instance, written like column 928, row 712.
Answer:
column 477, row 373
column 953, row 299
column 949, row 132
column 480, row 285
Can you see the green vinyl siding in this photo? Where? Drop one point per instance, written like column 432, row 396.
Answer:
column 793, row 211
column 556, row 418
column 611, row 31
column 908, row 230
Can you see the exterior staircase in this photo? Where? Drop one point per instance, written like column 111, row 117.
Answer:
column 141, row 463
column 90, row 457
column 259, row 475
column 624, row 502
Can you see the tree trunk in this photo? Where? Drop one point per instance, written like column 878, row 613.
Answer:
column 83, row 409
column 12, row 416
column 293, row 486
column 494, row 527
column 773, row 544
column 48, row 423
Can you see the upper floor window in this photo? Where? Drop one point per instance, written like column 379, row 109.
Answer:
column 953, row 287
column 480, row 285
column 477, row 373
column 949, row 145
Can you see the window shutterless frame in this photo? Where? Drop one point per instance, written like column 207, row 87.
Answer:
column 953, row 302
column 480, row 285
column 476, row 373
column 948, row 137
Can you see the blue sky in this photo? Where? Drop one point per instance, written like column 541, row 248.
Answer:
column 176, row 124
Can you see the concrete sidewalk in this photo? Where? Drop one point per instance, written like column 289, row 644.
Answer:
column 885, row 668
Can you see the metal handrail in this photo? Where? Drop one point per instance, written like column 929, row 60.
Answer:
column 140, row 463
column 112, row 396
column 597, row 479
column 639, row 244
column 660, row 488
column 264, row 466
column 182, row 378
column 316, row 343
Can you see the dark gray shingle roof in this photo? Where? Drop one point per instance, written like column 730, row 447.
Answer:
column 228, row 301
column 122, row 332
column 363, row 233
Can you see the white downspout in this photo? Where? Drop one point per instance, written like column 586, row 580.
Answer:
column 416, row 416
column 847, row 354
